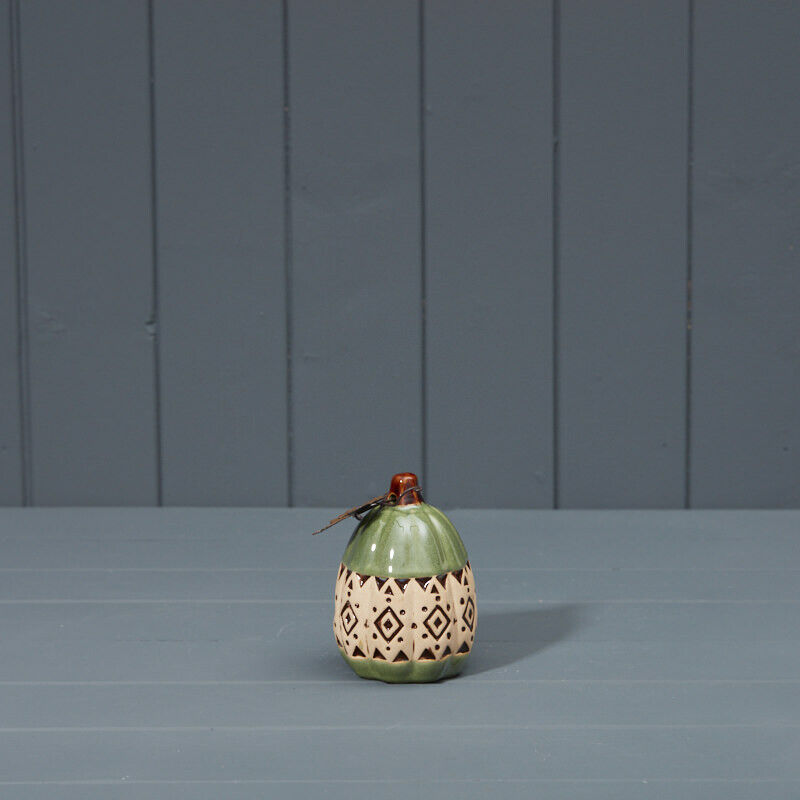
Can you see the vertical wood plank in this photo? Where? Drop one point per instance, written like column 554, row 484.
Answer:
column 87, row 160
column 220, row 257
column 488, row 211
column 622, row 273
column 10, row 419
column 356, row 317
column 745, row 424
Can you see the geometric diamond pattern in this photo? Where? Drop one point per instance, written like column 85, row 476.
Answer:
column 388, row 624
column 469, row 613
column 349, row 618
column 437, row 622
column 396, row 620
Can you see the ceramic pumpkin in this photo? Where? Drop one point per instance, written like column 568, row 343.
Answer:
column 405, row 595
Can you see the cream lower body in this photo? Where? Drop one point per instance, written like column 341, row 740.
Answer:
column 405, row 629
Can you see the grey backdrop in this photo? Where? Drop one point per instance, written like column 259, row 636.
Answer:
column 543, row 253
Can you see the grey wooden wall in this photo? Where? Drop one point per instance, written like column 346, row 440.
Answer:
column 543, row 253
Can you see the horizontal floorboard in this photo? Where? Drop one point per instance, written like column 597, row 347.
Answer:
column 221, row 538
column 555, row 703
column 100, row 624
column 189, row 654
column 290, row 641
column 557, row 789
column 587, row 752
column 495, row 585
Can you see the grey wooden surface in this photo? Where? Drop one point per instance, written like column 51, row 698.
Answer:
column 271, row 252
column 488, row 143
column 174, row 653
column 219, row 195
column 11, row 456
column 86, row 140
column 622, row 295
column 355, row 285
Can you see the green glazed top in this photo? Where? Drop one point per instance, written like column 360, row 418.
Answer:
column 405, row 541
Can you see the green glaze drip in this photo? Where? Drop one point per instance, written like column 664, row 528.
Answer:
column 405, row 542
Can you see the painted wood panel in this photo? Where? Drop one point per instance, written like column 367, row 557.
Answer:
column 745, row 424
column 87, row 182
column 341, row 286
column 555, row 703
column 622, row 268
column 356, row 310
column 220, row 256
column 488, row 253
column 11, row 482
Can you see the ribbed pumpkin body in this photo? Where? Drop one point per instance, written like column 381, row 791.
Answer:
column 405, row 596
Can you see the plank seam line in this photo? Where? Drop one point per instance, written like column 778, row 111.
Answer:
column 556, row 233
column 396, row 727
column 400, row 781
column 539, row 605
column 464, row 679
column 423, row 246
column 21, row 255
column 288, row 252
column 532, row 570
column 153, row 323
column 689, row 253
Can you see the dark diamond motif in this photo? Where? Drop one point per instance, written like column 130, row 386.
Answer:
column 388, row 624
column 469, row 613
column 436, row 622
column 348, row 617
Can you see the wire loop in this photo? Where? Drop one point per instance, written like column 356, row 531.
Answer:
column 388, row 499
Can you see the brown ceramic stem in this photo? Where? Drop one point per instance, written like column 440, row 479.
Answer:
column 400, row 486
